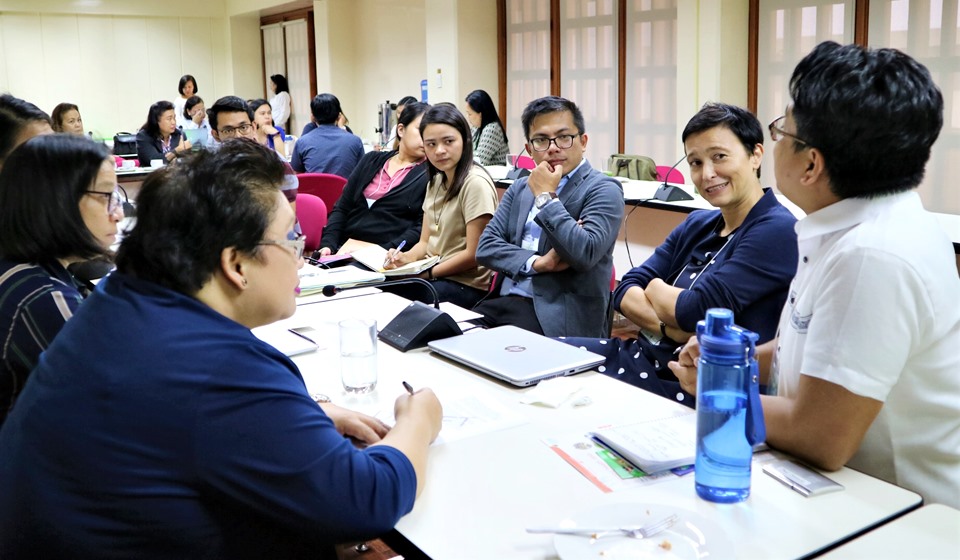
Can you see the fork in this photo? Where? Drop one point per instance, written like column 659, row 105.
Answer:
column 632, row 531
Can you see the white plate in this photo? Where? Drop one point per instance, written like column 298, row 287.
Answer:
column 692, row 537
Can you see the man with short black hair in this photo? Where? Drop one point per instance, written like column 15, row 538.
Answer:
column 327, row 148
column 552, row 237
column 231, row 117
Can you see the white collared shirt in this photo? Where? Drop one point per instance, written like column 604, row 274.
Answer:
column 874, row 308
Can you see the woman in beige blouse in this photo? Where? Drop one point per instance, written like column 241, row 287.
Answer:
column 460, row 201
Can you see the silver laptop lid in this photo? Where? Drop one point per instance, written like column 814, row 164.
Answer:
column 515, row 355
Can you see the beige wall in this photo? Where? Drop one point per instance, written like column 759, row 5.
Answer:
column 368, row 51
column 112, row 66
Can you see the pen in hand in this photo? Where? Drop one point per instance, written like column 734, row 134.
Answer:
column 391, row 259
column 408, row 387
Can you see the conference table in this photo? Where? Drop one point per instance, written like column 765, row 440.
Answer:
column 927, row 533
column 497, row 467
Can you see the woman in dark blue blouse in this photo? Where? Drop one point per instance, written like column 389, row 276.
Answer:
column 741, row 256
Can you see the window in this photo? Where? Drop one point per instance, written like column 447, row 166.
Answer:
column 928, row 30
column 528, row 61
column 579, row 54
column 650, row 126
column 788, row 30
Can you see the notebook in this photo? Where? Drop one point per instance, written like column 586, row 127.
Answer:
column 519, row 357
column 374, row 256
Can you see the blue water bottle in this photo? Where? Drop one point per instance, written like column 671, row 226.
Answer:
column 729, row 416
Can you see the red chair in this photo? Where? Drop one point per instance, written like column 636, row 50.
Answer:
column 669, row 174
column 312, row 215
column 526, row 162
column 325, row 185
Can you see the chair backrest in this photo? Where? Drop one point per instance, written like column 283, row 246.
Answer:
column 312, row 215
column 669, row 174
column 327, row 186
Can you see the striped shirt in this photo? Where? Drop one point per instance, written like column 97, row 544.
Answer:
column 35, row 302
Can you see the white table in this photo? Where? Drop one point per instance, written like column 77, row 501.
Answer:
column 929, row 533
column 483, row 491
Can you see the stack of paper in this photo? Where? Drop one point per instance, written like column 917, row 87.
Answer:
column 654, row 445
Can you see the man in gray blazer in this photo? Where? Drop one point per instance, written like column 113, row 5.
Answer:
column 552, row 237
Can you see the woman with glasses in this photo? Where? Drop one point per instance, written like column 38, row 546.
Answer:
column 158, row 422
column 59, row 205
column 490, row 145
column 159, row 138
column 459, row 202
column 740, row 256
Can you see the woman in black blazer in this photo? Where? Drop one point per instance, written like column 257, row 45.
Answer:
column 159, row 138
column 382, row 202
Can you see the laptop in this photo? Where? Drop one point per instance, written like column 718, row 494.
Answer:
column 514, row 355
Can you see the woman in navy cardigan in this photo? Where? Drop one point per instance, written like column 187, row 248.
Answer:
column 382, row 202
column 741, row 256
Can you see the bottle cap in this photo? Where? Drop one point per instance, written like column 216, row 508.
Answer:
column 720, row 339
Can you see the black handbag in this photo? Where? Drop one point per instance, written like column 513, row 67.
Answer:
column 125, row 144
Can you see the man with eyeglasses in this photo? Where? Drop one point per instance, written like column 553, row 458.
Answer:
column 551, row 240
column 865, row 368
column 327, row 148
column 230, row 117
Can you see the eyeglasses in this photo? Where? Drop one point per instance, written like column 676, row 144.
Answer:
column 294, row 241
column 563, row 142
column 230, row 131
column 115, row 199
column 777, row 132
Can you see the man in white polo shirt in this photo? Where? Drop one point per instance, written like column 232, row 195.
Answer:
column 867, row 363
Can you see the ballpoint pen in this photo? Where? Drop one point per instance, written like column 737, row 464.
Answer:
column 303, row 336
column 399, row 248
column 408, row 387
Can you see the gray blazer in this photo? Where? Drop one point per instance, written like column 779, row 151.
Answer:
column 572, row 302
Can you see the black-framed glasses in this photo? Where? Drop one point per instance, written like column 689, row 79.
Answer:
column 293, row 240
column 115, row 199
column 231, row 131
column 777, row 132
column 563, row 142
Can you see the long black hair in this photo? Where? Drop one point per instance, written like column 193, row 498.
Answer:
column 281, row 81
column 152, row 126
column 15, row 113
column 448, row 114
column 481, row 103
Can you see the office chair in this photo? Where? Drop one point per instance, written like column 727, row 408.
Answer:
column 669, row 174
column 312, row 215
column 324, row 185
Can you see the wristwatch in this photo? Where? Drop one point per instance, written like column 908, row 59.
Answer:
column 543, row 198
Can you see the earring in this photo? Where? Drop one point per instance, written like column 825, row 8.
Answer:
column 244, row 282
